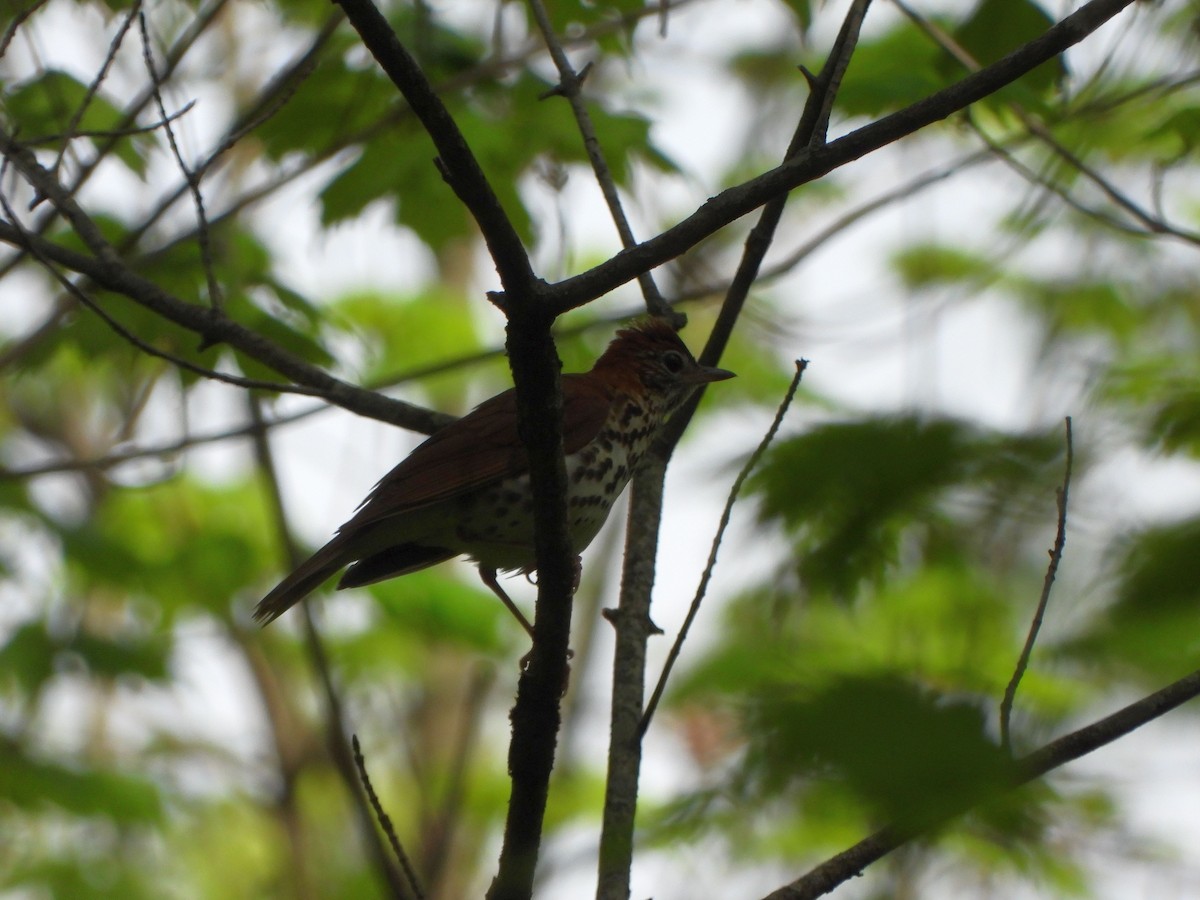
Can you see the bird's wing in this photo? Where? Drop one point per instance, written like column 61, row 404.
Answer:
column 481, row 447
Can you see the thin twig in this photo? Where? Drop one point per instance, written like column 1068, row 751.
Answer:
column 109, row 133
column 119, row 457
column 149, row 349
column 280, row 87
column 15, row 25
column 1053, row 186
column 216, row 328
column 1056, row 552
column 195, row 29
column 46, row 185
column 737, row 201
column 570, row 86
column 634, row 625
column 94, row 86
column 726, row 514
column 960, row 54
column 384, row 820
column 335, row 729
column 189, row 177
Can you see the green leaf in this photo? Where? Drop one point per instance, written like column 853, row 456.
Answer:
column 891, row 71
column 175, row 544
column 31, row 784
column 335, row 107
column 33, row 654
column 998, row 27
column 1179, row 133
column 1176, row 421
column 405, row 333
column 1150, row 624
column 433, row 607
column 424, row 202
column 850, row 491
column 802, row 10
column 28, row 657
column 1158, row 392
column 570, row 16
column 44, row 106
column 909, row 753
column 93, row 872
column 922, row 266
column 1084, row 306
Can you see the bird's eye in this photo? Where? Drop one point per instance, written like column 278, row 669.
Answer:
column 673, row 361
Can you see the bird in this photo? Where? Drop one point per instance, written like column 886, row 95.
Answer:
column 465, row 490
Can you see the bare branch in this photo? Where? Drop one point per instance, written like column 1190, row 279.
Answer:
column 633, row 622
column 570, row 86
column 335, row 729
column 726, row 513
column 851, row 862
column 1056, row 552
column 385, row 821
column 736, row 202
column 189, row 177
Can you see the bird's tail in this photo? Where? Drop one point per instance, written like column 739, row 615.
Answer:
column 307, row 577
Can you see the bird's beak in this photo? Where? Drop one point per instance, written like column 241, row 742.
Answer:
column 708, row 374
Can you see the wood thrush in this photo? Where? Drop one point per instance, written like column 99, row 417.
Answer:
column 465, row 490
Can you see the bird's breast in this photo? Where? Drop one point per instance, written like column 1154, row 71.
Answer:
column 495, row 524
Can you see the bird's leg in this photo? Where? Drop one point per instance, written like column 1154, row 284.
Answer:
column 489, row 578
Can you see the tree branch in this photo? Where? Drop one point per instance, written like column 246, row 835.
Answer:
column 195, row 30
column 1056, row 553
column 732, row 204
column 362, row 798
column 570, row 86
column 1152, row 224
column 125, row 334
column 633, row 626
column 537, row 714
column 852, row 861
column 216, row 328
column 726, row 513
column 535, row 366
column 633, row 623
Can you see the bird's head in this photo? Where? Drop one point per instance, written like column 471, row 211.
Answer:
column 649, row 358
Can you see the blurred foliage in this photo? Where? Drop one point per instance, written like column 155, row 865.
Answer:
column 852, row 682
column 1148, row 625
column 857, row 494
